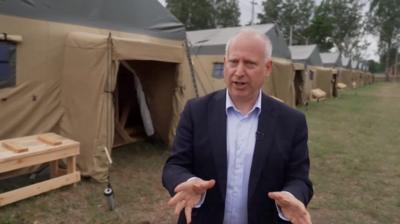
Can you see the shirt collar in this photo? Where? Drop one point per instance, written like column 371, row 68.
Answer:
column 229, row 104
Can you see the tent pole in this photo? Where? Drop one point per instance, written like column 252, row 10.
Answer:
column 108, row 191
column 191, row 67
column 109, row 93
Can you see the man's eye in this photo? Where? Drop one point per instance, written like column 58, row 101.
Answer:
column 251, row 65
column 233, row 62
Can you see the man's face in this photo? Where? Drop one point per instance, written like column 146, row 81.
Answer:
column 245, row 67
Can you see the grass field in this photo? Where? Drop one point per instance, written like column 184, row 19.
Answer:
column 355, row 154
column 354, row 146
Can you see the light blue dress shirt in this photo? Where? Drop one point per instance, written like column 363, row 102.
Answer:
column 241, row 138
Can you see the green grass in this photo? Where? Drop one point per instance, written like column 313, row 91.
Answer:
column 354, row 146
column 355, row 167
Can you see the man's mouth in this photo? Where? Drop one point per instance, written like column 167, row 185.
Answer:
column 239, row 84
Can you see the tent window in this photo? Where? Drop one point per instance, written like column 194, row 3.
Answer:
column 311, row 75
column 218, row 70
column 7, row 64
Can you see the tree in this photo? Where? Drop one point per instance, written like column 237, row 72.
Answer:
column 227, row 13
column 292, row 16
column 195, row 15
column 272, row 12
column 339, row 23
column 321, row 28
column 348, row 29
column 205, row 14
column 375, row 67
column 384, row 20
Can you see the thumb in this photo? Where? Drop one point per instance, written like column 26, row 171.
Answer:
column 275, row 195
column 279, row 198
column 203, row 186
column 209, row 184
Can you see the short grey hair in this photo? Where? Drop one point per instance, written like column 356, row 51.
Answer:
column 268, row 45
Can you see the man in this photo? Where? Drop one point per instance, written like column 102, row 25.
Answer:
column 239, row 156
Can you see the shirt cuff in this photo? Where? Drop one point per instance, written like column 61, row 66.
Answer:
column 203, row 196
column 280, row 212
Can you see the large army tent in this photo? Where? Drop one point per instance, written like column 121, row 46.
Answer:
column 306, row 54
column 306, row 59
column 324, row 80
column 346, row 77
column 357, row 73
column 345, row 73
column 95, row 71
column 208, row 50
column 334, row 62
column 367, row 76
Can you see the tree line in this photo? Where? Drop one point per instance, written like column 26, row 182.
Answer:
column 339, row 24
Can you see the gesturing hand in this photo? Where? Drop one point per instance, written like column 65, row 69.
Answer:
column 292, row 208
column 188, row 194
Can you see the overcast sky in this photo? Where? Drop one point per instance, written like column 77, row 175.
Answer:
column 245, row 17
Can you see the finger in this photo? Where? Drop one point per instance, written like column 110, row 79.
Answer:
column 302, row 221
column 179, row 206
column 176, row 198
column 303, row 217
column 188, row 214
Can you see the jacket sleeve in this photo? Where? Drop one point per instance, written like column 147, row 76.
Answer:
column 297, row 179
column 178, row 167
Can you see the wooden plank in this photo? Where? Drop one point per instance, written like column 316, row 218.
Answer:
column 39, row 151
column 13, row 164
column 71, row 164
column 38, row 188
column 14, row 147
column 50, row 139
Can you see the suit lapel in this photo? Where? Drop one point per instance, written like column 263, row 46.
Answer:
column 217, row 135
column 264, row 140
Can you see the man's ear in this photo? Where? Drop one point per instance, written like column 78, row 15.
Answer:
column 268, row 67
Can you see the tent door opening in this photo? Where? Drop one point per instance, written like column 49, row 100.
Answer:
column 143, row 100
column 299, row 87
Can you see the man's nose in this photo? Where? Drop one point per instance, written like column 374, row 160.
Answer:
column 239, row 70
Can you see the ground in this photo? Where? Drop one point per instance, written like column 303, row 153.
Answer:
column 355, row 167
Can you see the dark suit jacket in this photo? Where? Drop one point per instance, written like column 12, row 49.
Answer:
column 280, row 160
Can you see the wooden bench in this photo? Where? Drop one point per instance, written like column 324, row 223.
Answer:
column 33, row 150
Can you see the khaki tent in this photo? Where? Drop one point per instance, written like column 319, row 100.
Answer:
column 346, row 77
column 306, row 59
column 357, row 74
column 99, row 72
column 208, row 50
column 345, row 74
column 366, row 78
column 369, row 78
column 324, row 80
column 334, row 62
